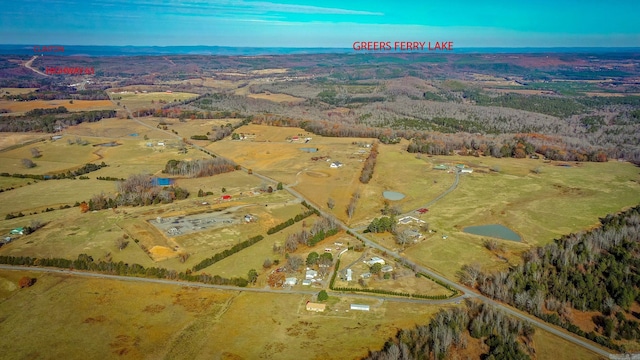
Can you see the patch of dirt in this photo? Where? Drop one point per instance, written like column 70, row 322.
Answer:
column 161, row 253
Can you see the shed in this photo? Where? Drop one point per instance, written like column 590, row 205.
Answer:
column 226, row 197
column 359, row 307
column 17, row 231
column 349, row 275
column 386, row 268
column 316, row 306
column 306, row 282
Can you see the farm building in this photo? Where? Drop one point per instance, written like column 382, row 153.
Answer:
column 160, row 143
column 226, row 197
column 291, row 281
column 466, row 171
column 366, row 275
column 409, row 219
column 359, row 307
column 440, row 167
column 336, row 164
column 375, row 260
column 387, row 268
column 349, row 275
column 316, row 307
column 17, row 231
column 306, row 282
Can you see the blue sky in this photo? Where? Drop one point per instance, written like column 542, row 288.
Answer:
column 303, row 23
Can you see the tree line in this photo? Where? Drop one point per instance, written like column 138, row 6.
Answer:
column 70, row 174
column 226, row 253
column 369, row 164
column 86, row 262
column 289, row 222
column 506, row 337
column 199, row 168
column 42, row 121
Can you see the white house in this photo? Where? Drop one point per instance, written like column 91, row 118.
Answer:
column 375, row 260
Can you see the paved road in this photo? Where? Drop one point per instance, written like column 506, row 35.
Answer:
column 466, row 293
column 219, row 287
column 30, row 62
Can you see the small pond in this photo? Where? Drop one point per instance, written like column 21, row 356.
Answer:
column 493, row 230
column 393, row 195
column 309, row 150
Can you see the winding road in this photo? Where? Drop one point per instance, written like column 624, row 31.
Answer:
column 30, row 62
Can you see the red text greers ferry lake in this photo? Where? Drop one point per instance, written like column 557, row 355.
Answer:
column 402, row 45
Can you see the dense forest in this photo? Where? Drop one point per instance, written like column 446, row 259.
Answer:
column 452, row 330
column 597, row 270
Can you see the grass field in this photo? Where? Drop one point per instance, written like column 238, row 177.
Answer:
column 16, row 139
column 284, row 161
column 141, row 100
column 74, row 317
column 115, row 128
column 20, row 107
column 539, row 207
column 190, row 127
column 57, row 156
